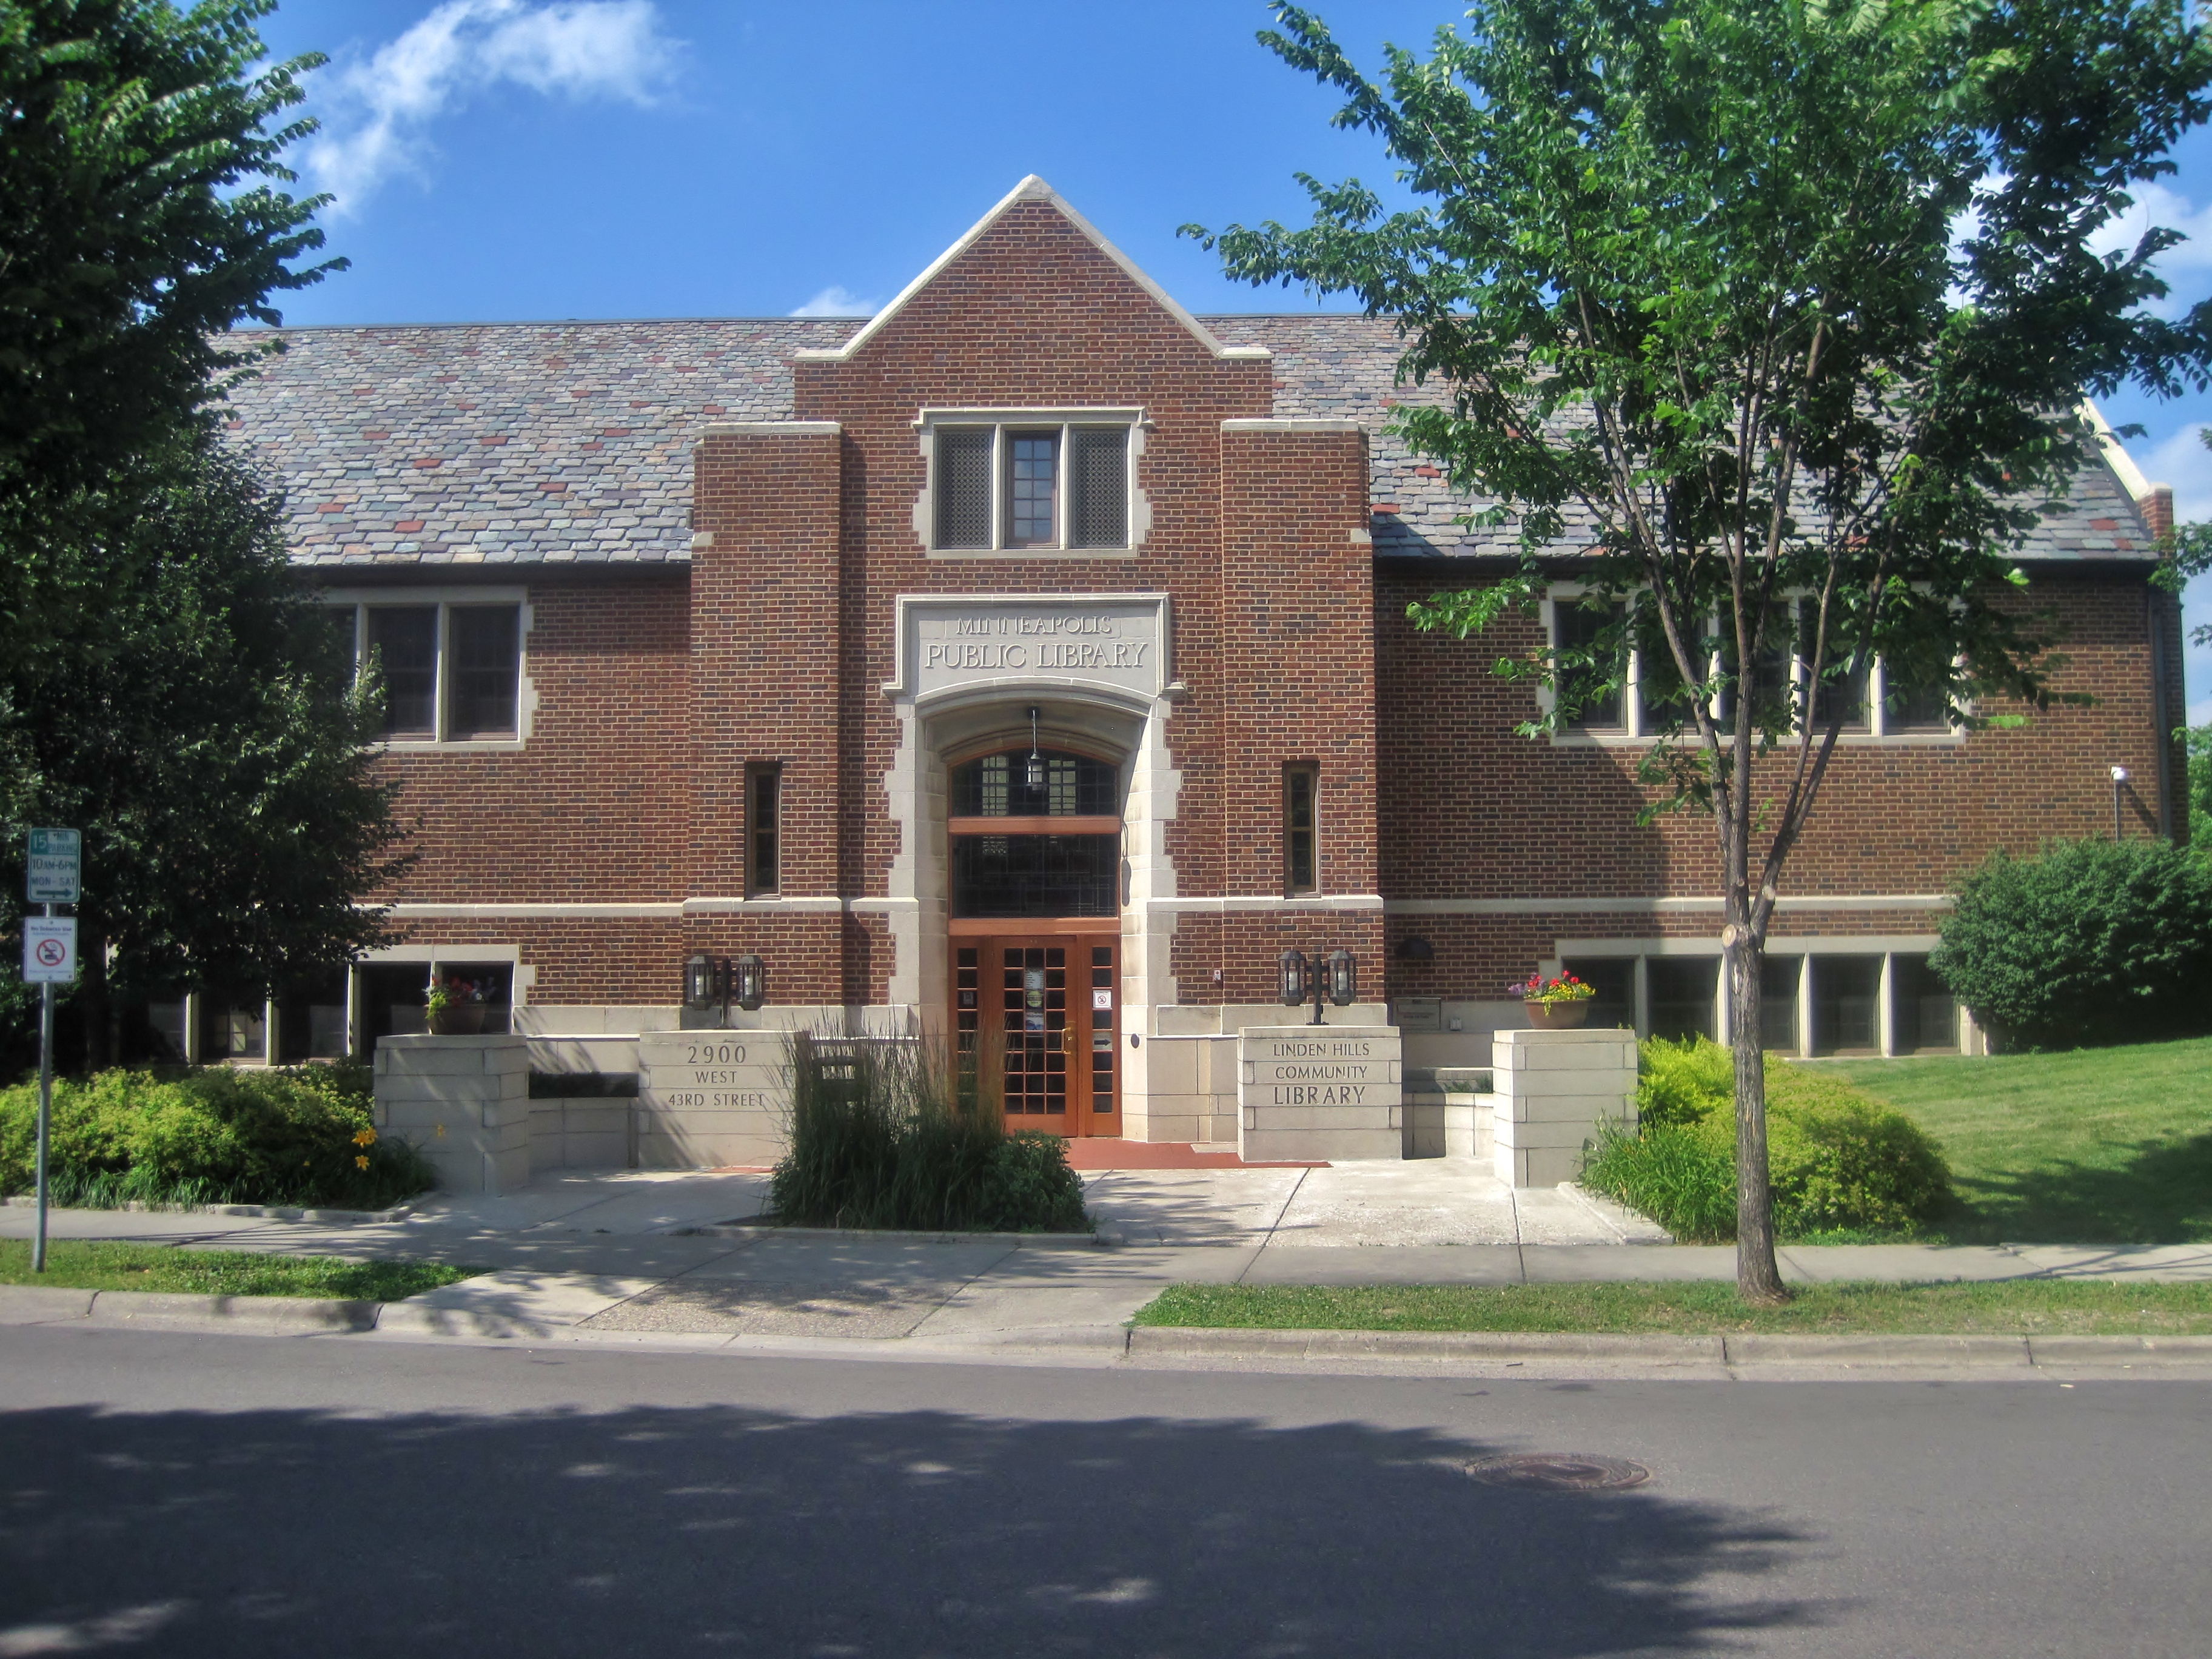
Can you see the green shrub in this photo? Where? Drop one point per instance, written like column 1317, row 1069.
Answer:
column 1670, row 1172
column 2093, row 942
column 1682, row 1082
column 210, row 1136
column 1838, row 1158
column 888, row 1135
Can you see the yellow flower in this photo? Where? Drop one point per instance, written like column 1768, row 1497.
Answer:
column 365, row 1138
column 441, row 1132
column 360, row 1162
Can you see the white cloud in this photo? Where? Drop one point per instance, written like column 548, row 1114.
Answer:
column 836, row 301
column 377, row 109
column 2185, row 266
column 2183, row 462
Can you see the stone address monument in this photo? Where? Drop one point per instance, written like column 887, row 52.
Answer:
column 708, row 1098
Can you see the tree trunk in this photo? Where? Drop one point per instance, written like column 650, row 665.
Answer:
column 1758, row 1278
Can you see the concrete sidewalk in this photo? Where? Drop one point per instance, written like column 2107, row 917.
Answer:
column 665, row 1258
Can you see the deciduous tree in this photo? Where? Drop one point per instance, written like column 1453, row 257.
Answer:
column 1773, row 317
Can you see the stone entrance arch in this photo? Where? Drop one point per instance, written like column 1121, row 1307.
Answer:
column 1098, row 668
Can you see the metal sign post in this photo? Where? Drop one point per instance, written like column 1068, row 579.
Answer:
column 52, row 876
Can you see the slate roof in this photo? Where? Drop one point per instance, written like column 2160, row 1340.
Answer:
column 506, row 443
column 570, row 443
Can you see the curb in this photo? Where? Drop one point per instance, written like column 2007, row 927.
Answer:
column 1093, row 1241
column 27, row 1305
column 266, row 1212
column 1194, row 1342
column 1871, row 1352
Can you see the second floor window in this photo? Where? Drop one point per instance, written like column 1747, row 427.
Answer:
column 1013, row 486
column 451, row 671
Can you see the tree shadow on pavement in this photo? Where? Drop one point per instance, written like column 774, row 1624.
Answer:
column 717, row 1529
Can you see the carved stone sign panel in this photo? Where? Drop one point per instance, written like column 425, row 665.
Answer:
column 1116, row 641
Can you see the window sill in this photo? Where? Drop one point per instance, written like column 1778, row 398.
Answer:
column 1843, row 740
column 451, row 745
column 1003, row 553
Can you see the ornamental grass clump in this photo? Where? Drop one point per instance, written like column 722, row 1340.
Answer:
column 299, row 1136
column 891, row 1134
column 1841, row 1161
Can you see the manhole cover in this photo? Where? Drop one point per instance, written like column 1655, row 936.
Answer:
column 1559, row 1472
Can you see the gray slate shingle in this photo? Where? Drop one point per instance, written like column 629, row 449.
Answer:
column 508, row 443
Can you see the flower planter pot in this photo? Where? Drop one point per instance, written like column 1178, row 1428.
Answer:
column 458, row 1019
column 1557, row 1015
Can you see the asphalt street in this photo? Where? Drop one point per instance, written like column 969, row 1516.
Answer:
column 172, row 1494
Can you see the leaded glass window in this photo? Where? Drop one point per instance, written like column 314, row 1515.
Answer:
column 1073, row 786
column 1032, row 489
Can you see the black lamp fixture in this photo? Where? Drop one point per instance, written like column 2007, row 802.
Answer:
column 1034, row 776
column 1335, row 977
column 747, row 979
column 699, row 991
column 710, row 982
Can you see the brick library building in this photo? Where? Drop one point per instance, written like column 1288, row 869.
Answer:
column 1030, row 665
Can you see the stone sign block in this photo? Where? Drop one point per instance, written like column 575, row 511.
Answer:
column 1333, row 1092
column 709, row 1098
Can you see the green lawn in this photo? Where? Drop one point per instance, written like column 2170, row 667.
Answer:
column 104, row 1265
column 2103, row 1145
column 2014, row 1306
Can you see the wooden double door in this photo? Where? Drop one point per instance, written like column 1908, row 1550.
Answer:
column 1038, row 1011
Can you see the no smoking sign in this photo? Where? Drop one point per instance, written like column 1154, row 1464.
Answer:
column 49, row 949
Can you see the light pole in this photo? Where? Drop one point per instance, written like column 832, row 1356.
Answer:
column 2120, row 783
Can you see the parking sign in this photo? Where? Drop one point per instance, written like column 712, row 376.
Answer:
column 49, row 949
column 54, row 868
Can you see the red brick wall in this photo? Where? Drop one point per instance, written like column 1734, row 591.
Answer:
column 1471, row 810
column 590, row 809
column 1031, row 314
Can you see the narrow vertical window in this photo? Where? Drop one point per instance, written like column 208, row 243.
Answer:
column 964, row 486
column 1301, row 860
column 1098, row 486
column 485, row 665
column 1032, row 489
column 405, row 639
column 763, row 830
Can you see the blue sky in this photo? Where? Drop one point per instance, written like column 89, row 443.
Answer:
column 528, row 159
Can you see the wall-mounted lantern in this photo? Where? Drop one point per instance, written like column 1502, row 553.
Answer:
column 748, row 981
column 1343, row 979
column 700, row 992
column 717, row 982
column 1293, row 964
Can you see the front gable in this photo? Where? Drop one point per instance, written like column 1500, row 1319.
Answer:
column 1031, row 306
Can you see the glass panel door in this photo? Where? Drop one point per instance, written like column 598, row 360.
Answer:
column 1039, row 1015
